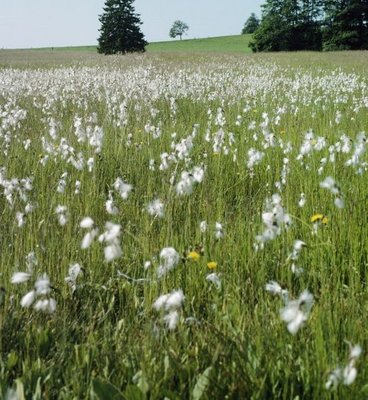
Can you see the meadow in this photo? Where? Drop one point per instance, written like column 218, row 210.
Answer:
column 220, row 44
column 183, row 226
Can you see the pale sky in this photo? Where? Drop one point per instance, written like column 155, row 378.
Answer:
column 47, row 23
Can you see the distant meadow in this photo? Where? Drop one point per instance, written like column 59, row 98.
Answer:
column 183, row 225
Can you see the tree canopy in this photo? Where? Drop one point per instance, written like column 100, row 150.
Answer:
column 120, row 28
column 178, row 29
column 312, row 25
column 251, row 24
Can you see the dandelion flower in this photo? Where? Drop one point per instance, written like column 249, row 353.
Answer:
column 212, row 265
column 318, row 217
column 193, row 256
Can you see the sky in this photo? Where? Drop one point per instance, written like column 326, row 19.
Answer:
column 53, row 23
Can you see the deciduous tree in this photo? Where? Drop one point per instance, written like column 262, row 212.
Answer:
column 178, row 29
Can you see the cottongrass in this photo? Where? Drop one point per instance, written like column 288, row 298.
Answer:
column 213, row 151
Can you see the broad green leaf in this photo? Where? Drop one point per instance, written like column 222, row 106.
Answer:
column 202, row 384
column 105, row 390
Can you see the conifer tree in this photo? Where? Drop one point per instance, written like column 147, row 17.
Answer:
column 251, row 24
column 120, row 28
column 346, row 26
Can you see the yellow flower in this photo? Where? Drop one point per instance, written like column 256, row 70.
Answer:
column 193, row 256
column 212, row 265
column 319, row 218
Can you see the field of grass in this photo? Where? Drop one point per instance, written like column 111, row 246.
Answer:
column 183, row 227
column 227, row 44
column 230, row 44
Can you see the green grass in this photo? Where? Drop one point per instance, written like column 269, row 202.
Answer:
column 231, row 44
column 105, row 339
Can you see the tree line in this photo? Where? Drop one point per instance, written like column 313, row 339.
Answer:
column 288, row 25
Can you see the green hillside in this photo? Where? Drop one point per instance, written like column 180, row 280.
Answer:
column 235, row 43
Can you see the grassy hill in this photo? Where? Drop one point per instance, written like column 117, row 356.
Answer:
column 235, row 43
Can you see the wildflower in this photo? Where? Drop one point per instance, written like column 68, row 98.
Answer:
column 319, row 218
column 110, row 206
column 347, row 375
column 219, row 233
column 122, row 188
column 42, row 289
column 171, row 320
column 254, row 158
column 193, row 256
column 86, row 223
column 188, row 179
column 28, row 299
column 111, row 238
column 62, row 183
column 20, row 219
column 339, row 202
column 90, row 164
column 275, row 288
column 88, row 238
column 71, row 279
column 212, row 265
column 330, row 184
column 20, row 277
column 302, row 200
column 45, row 305
column 156, row 208
column 77, row 187
column 170, row 304
column 274, row 218
column 61, row 212
column 296, row 312
column 294, row 255
column 198, row 174
column 172, row 301
column 215, row 279
column 203, row 226
column 169, row 259
column 31, row 260
column 185, row 185
column 42, row 285
column 112, row 251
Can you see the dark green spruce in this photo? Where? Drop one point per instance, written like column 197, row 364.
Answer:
column 251, row 24
column 120, row 31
